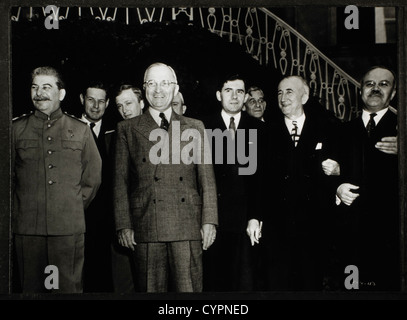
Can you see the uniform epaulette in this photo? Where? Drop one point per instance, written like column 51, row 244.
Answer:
column 392, row 109
column 23, row 116
column 74, row 117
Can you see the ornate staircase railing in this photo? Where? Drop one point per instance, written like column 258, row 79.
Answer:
column 268, row 39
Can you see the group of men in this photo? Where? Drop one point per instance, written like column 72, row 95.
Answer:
column 162, row 202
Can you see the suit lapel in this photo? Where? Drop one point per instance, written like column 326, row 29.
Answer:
column 146, row 125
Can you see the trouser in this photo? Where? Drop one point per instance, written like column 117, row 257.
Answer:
column 122, row 269
column 65, row 255
column 169, row 266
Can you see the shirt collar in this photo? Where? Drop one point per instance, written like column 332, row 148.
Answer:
column 300, row 122
column 156, row 114
column 96, row 128
column 226, row 118
column 379, row 115
column 55, row 115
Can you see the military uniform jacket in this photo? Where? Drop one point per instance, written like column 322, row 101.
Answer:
column 162, row 201
column 56, row 173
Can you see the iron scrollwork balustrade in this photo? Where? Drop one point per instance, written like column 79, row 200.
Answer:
column 266, row 37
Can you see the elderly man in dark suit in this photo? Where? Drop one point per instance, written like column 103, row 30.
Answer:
column 229, row 265
column 368, row 197
column 165, row 205
column 301, row 156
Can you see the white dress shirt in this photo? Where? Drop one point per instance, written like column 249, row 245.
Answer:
column 156, row 115
column 226, row 118
column 96, row 128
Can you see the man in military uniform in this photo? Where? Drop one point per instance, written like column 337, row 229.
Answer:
column 56, row 174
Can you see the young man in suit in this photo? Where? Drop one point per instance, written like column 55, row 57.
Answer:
column 367, row 198
column 97, row 269
column 165, row 208
column 296, row 217
column 229, row 265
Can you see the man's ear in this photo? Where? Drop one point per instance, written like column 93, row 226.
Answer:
column 218, row 96
column 142, row 104
column 62, row 94
column 176, row 89
column 393, row 94
column 244, row 107
column 246, row 96
column 305, row 97
column 107, row 102
column 82, row 99
column 184, row 108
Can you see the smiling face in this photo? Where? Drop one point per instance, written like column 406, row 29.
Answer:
column 232, row 96
column 95, row 103
column 128, row 104
column 160, row 86
column 292, row 95
column 45, row 94
column 378, row 89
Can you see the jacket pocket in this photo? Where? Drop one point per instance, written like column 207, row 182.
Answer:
column 73, row 145
column 27, row 149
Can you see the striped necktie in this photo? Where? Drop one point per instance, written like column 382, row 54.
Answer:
column 294, row 133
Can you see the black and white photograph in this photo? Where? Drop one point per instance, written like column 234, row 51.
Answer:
column 201, row 158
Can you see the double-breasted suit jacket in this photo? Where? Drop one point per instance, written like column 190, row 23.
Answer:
column 165, row 201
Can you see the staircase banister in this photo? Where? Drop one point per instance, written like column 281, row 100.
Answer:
column 308, row 43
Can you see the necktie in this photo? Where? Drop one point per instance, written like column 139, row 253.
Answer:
column 164, row 122
column 92, row 125
column 371, row 124
column 232, row 127
column 294, row 133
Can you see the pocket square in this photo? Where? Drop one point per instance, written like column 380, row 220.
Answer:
column 319, row 146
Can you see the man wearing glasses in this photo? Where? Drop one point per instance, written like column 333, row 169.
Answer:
column 165, row 213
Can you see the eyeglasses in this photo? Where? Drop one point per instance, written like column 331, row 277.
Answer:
column 153, row 84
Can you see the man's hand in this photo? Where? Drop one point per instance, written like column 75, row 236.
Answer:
column 126, row 238
column 345, row 194
column 253, row 230
column 387, row 145
column 331, row 167
column 208, row 232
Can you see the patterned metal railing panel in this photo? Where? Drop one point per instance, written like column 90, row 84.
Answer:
column 268, row 39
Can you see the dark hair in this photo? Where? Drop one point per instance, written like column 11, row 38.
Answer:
column 96, row 84
column 49, row 71
column 133, row 88
column 379, row 67
column 230, row 77
column 254, row 88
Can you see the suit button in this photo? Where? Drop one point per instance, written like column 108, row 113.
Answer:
column 50, row 182
column 50, row 166
column 154, row 201
column 156, row 179
column 183, row 200
column 49, row 152
column 49, row 138
column 144, row 160
column 180, row 178
column 286, row 177
column 49, row 125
